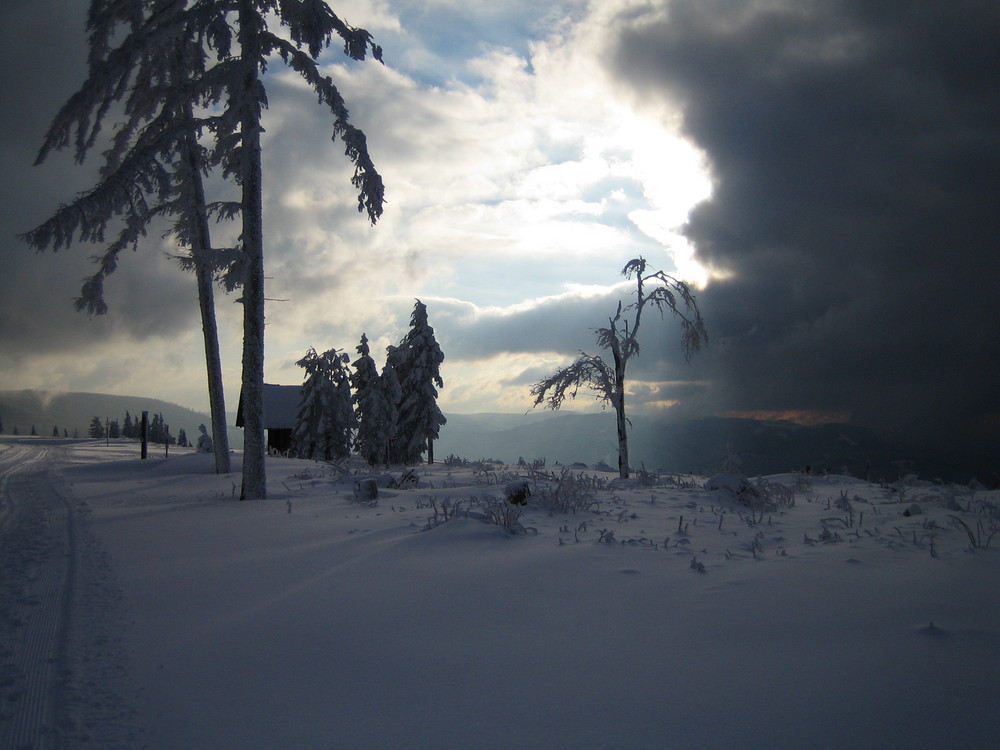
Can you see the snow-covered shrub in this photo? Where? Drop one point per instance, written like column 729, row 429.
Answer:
column 775, row 494
column 760, row 496
column 569, row 492
column 500, row 513
column 517, row 492
column 443, row 511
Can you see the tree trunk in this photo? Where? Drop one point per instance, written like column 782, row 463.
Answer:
column 623, row 469
column 254, row 476
column 618, row 401
column 430, row 450
column 206, row 301
column 213, row 364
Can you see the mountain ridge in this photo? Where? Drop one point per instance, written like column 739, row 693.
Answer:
column 657, row 443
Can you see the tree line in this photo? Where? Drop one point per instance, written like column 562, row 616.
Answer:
column 157, row 430
column 387, row 416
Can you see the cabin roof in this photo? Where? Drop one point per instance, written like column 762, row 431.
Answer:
column 281, row 407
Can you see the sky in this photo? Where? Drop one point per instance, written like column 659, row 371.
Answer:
column 826, row 173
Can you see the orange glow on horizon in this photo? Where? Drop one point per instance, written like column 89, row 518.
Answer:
column 805, row 417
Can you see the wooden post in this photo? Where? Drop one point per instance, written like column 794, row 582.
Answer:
column 166, row 441
column 144, row 435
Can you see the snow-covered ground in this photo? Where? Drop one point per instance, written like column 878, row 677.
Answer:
column 144, row 606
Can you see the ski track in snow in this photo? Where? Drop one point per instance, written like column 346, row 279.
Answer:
column 664, row 615
column 54, row 668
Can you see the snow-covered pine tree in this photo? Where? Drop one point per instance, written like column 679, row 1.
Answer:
column 154, row 164
column 128, row 430
column 232, row 94
column 157, row 429
column 326, row 418
column 374, row 408
column 392, row 394
column 311, row 27
column 417, row 362
column 96, row 429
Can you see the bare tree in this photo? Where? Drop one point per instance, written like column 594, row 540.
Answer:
column 621, row 339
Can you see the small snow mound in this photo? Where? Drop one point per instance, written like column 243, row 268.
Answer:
column 732, row 484
column 932, row 631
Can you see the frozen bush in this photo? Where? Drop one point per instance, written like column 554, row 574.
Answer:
column 569, row 492
column 501, row 513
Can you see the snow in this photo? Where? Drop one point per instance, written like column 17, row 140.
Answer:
column 664, row 615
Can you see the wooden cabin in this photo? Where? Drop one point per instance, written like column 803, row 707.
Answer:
column 281, row 414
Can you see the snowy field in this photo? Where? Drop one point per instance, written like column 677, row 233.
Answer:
column 144, row 607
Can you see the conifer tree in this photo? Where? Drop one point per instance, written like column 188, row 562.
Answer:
column 128, row 429
column 326, row 418
column 417, row 362
column 227, row 93
column 55, row 431
column 374, row 408
column 154, row 165
column 96, row 429
column 392, row 395
column 33, row 431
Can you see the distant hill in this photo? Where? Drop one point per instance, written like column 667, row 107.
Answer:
column 702, row 445
column 73, row 411
column 693, row 446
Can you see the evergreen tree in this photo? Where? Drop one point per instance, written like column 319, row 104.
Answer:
column 96, row 429
column 182, row 439
column 76, row 433
column 55, row 431
column 417, row 362
column 15, row 429
column 325, row 419
column 392, row 395
column 114, row 431
column 156, row 429
column 374, row 407
column 128, row 429
column 33, row 431
column 228, row 96
column 154, row 166
column 1, row 425
column 65, row 433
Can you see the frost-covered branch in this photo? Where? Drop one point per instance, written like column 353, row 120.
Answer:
column 589, row 370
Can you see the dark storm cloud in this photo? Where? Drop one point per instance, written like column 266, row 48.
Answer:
column 855, row 150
